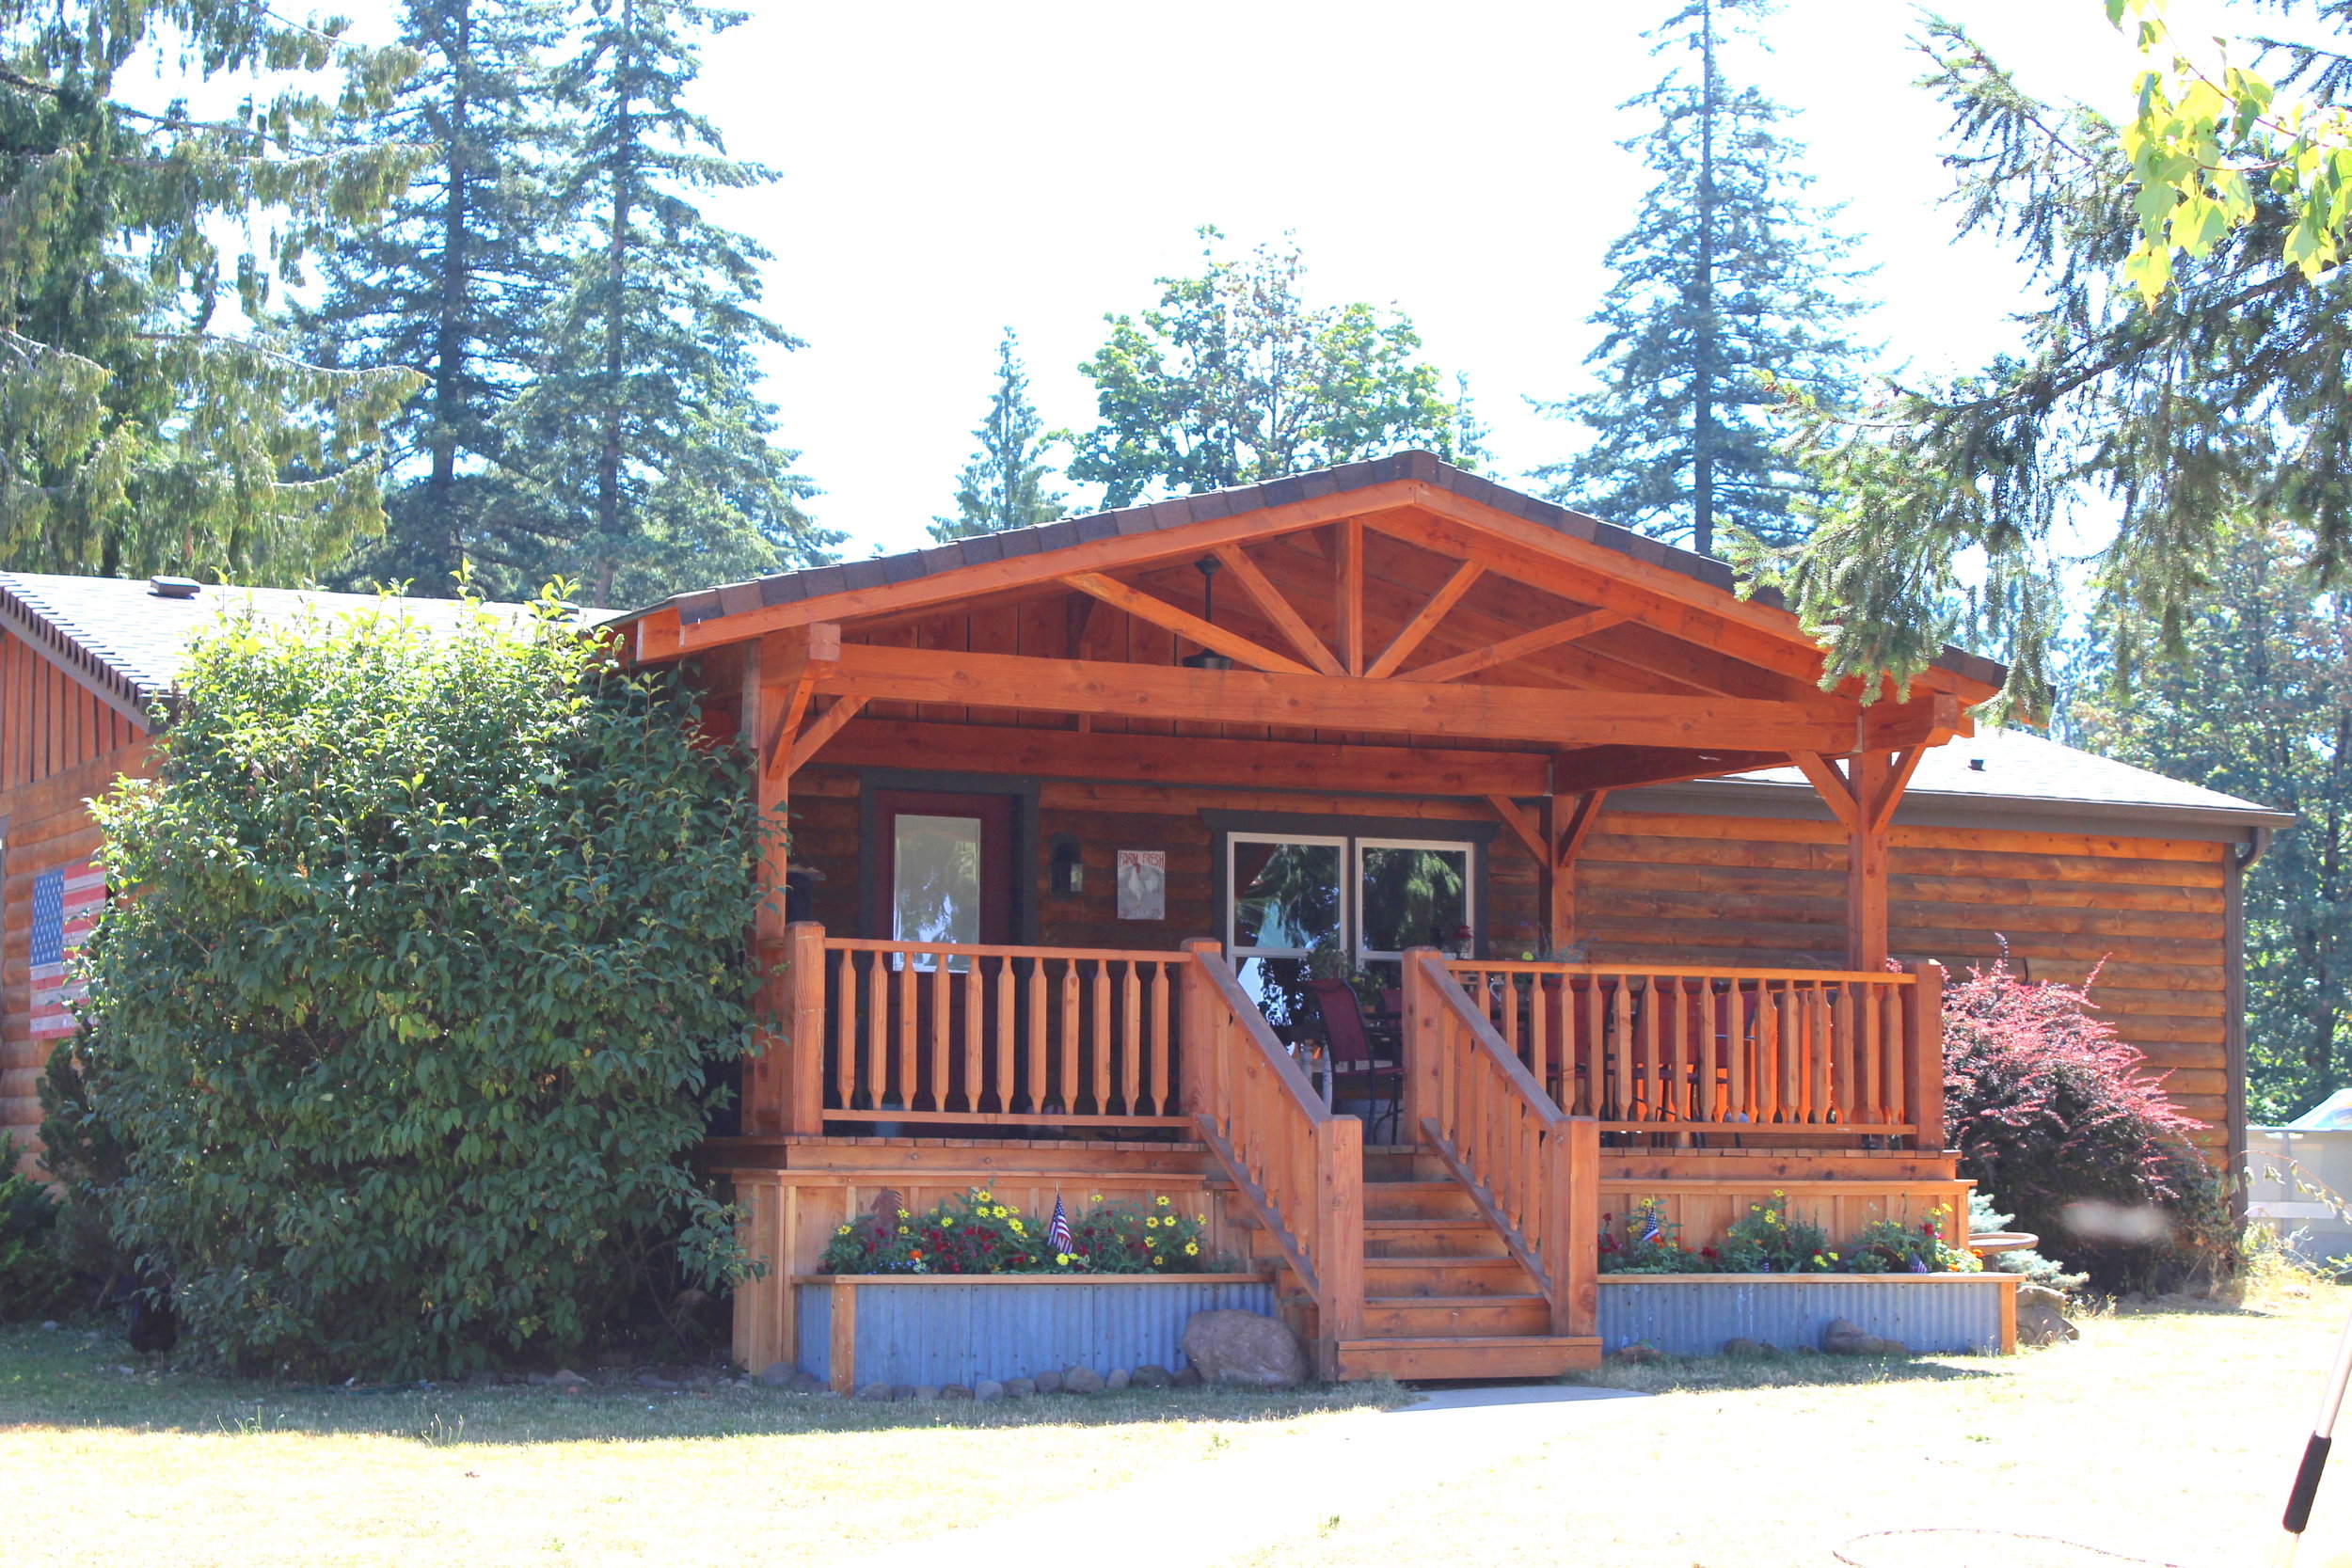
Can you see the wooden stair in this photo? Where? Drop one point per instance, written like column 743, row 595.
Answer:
column 1443, row 1298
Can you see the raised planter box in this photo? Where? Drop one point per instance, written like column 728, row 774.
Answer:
column 931, row 1330
column 1692, row 1314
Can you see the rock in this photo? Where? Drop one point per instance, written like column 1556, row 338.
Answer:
column 808, row 1383
column 925, row 1392
column 1081, row 1380
column 954, row 1391
column 537, row 1380
column 568, row 1379
column 2042, row 1316
column 1152, row 1377
column 988, row 1390
column 1019, row 1388
column 1188, row 1378
column 1845, row 1338
column 1639, row 1353
column 1743, row 1347
column 875, row 1391
column 654, row 1380
column 1120, row 1377
column 1047, row 1382
column 777, row 1374
column 1245, row 1348
column 51, row 1327
column 906, row 1391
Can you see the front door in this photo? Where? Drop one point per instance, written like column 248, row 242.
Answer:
column 946, row 866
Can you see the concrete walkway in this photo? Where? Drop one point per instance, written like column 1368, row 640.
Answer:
column 1294, row 1486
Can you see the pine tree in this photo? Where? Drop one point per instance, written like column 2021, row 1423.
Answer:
column 143, row 428
column 1005, row 483
column 454, row 283
column 1236, row 379
column 1727, row 276
column 644, row 431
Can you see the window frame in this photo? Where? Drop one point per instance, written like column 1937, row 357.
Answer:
column 1353, row 902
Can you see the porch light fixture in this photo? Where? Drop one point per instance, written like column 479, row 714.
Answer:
column 1207, row 566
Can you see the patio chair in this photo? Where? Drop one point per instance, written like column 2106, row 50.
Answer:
column 1356, row 1073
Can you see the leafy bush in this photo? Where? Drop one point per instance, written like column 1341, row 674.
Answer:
column 1766, row 1240
column 408, row 1031
column 2048, row 1108
column 35, row 1279
column 1985, row 1218
column 1890, row 1247
column 1648, row 1242
column 978, row 1234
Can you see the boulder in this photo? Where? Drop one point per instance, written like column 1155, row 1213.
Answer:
column 777, row 1374
column 988, row 1390
column 1119, row 1378
column 925, row 1392
column 1745, row 1347
column 1047, row 1382
column 1846, row 1338
column 1187, row 1378
column 807, row 1383
column 568, row 1379
column 1151, row 1377
column 2042, row 1316
column 1081, row 1380
column 954, row 1391
column 1020, row 1387
column 654, row 1380
column 875, row 1391
column 1245, row 1348
column 1639, row 1352
column 905, row 1391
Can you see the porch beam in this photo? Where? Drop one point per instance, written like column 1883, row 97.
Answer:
column 1516, row 647
column 827, row 725
column 1426, row 620
column 1318, row 702
column 1148, row 607
column 789, row 663
column 1182, row 760
column 1278, row 609
column 1625, row 767
column 1522, row 828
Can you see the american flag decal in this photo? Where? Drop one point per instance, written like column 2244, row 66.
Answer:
column 66, row 902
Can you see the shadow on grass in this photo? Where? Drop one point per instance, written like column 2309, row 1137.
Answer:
column 83, row 1377
column 1679, row 1375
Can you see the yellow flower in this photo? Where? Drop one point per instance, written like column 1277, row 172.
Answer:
column 1163, row 1200
column 1018, row 1229
column 1149, row 1222
column 947, row 1219
column 1096, row 1199
column 1063, row 1259
column 999, row 1211
column 1199, row 1219
column 1192, row 1249
column 843, row 1231
column 904, row 1215
column 1150, row 1241
column 983, row 1197
column 902, row 1231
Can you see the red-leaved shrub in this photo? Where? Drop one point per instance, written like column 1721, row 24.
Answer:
column 2069, row 1128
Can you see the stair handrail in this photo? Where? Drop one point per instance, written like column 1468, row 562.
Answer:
column 1299, row 1167
column 1532, row 1169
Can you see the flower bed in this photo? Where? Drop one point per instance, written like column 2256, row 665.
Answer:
column 1697, row 1314
column 976, row 1234
column 1768, row 1241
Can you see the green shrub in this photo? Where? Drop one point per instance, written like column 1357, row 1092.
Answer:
column 2050, row 1109
column 406, row 1033
column 1648, row 1242
column 35, row 1279
column 1766, row 1240
column 1985, row 1218
column 1891, row 1247
column 980, row 1233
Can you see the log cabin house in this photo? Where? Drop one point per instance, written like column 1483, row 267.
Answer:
column 1081, row 813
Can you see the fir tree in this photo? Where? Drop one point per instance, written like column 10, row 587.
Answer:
column 144, row 428
column 454, row 283
column 1725, row 277
column 645, row 432
column 1236, row 379
column 1005, row 483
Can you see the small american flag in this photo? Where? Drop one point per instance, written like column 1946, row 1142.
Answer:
column 1651, row 1229
column 1057, row 1233
column 66, row 902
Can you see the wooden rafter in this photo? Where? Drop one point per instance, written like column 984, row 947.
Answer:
column 1278, row 609
column 1571, row 834
column 1891, row 793
column 1515, row 647
column 1831, row 785
column 1146, row 607
column 1348, row 589
column 1623, row 767
column 1425, row 619
column 1552, row 715
column 826, row 725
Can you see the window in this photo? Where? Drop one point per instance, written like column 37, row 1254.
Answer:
column 935, row 863
column 1298, row 897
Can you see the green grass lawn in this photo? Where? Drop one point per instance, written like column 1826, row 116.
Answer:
column 2167, row 1433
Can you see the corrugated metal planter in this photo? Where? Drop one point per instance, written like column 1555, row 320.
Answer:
column 935, row 1330
column 1692, row 1314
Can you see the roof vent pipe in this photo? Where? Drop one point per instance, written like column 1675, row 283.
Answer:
column 174, row 587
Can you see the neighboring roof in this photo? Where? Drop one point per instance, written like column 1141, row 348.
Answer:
column 127, row 642
column 2331, row 1115
column 2018, row 766
column 709, row 604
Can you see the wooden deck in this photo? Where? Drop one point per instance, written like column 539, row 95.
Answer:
column 1470, row 1249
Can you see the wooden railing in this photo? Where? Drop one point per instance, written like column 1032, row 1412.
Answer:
column 1532, row 1169
column 1299, row 1167
column 1726, row 1055
column 944, row 1032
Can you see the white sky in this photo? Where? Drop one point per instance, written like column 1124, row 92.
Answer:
column 949, row 169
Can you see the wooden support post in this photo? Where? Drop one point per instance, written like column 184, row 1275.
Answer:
column 1424, row 1018
column 1568, row 822
column 1866, row 866
column 842, row 1351
column 1348, row 566
column 1579, row 1179
column 1197, row 1060
column 804, row 1066
column 1923, row 1059
column 763, row 1328
column 1340, row 1238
